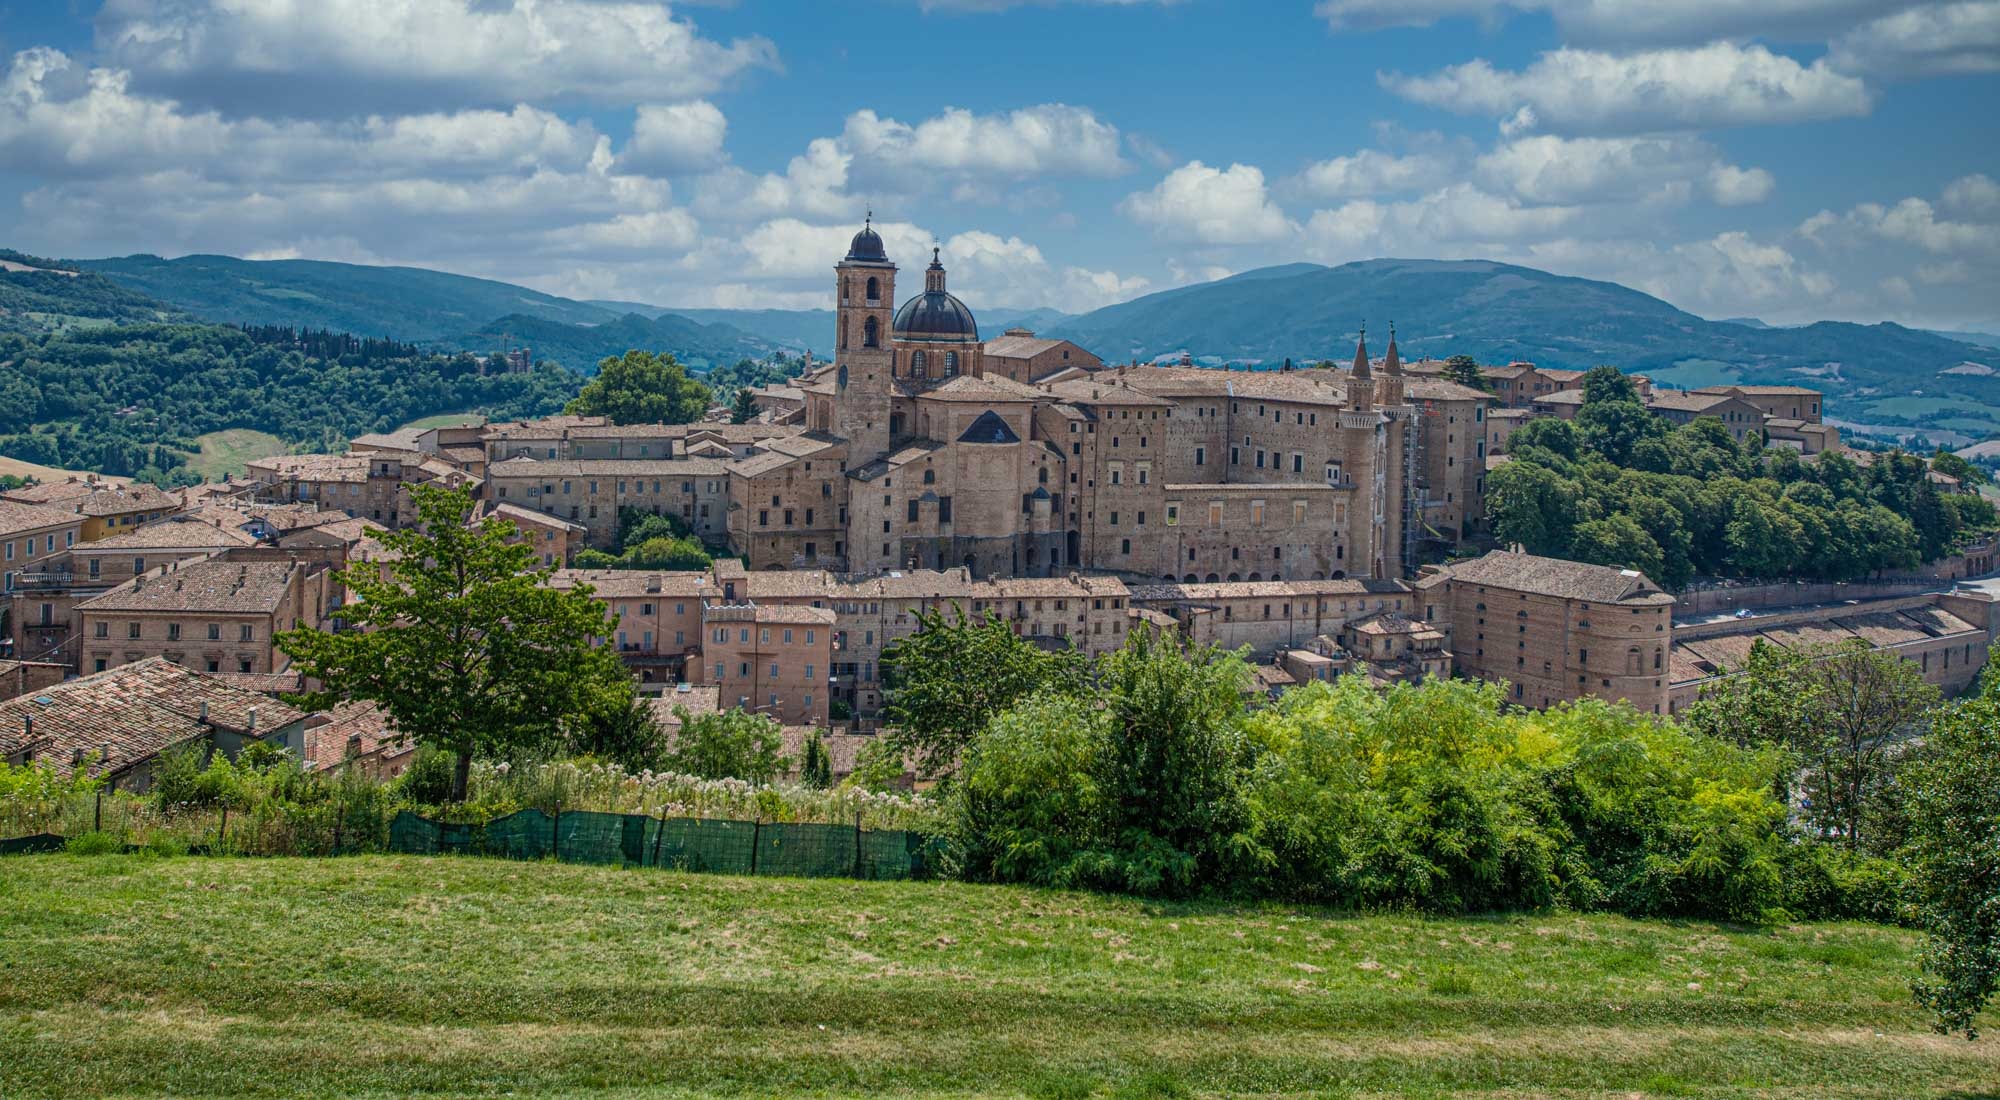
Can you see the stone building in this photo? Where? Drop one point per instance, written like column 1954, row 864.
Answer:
column 30, row 534
column 214, row 615
column 770, row 659
column 107, row 507
column 1555, row 630
column 1270, row 616
column 920, row 446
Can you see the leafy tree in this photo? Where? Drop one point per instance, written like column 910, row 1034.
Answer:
column 641, row 387
column 462, row 641
column 1603, row 385
column 744, row 409
column 1954, row 859
column 945, row 682
column 815, row 766
column 1617, row 540
column 1173, row 770
column 1464, row 370
column 730, row 744
column 1532, row 505
column 1945, row 462
column 1618, row 429
column 1549, row 433
column 618, row 725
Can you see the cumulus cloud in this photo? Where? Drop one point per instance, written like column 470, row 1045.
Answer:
column 1927, row 41
column 673, row 139
column 1548, row 169
column 57, row 119
column 330, row 56
column 1370, row 172
column 1592, row 92
column 1210, row 206
column 1457, row 220
column 1047, row 139
column 1626, row 21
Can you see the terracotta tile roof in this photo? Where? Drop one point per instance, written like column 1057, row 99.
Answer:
column 1686, row 401
column 615, row 584
column 992, row 388
column 1312, row 386
column 1098, row 390
column 1762, row 391
column 1020, row 347
column 226, row 587
column 173, row 533
column 696, row 699
column 1223, row 590
column 507, row 509
column 1078, row 586
column 1572, row 580
column 334, row 741
column 268, row 683
column 404, row 439
column 1437, row 389
column 60, row 491
column 131, row 713
column 16, row 517
column 319, row 468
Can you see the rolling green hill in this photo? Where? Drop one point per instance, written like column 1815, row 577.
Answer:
column 38, row 295
column 403, row 303
column 579, row 347
column 1500, row 313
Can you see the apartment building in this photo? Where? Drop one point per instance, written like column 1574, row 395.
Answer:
column 107, row 507
column 213, row 615
column 769, row 659
column 1271, row 616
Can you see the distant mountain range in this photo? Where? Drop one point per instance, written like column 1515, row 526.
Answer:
column 1882, row 374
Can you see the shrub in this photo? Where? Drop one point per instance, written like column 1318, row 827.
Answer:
column 1027, row 806
column 92, row 844
column 427, row 781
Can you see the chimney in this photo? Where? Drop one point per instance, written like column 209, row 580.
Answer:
column 27, row 727
column 253, row 720
column 203, row 711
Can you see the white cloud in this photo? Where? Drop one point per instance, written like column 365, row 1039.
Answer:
column 673, row 139
column 1626, row 21
column 314, row 57
column 1371, row 172
column 1548, row 169
column 1973, row 196
column 1585, row 91
column 58, row 120
column 1926, row 41
column 813, row 184
column 1047, row 139
column 1211, row 206
column 1457, row 220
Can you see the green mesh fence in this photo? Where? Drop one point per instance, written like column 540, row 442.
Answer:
column 688, row 844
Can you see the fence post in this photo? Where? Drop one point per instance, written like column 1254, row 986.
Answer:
column 555, row 834
column 857, row 844
column 98, row 824
column 660, row 836
column 222, row 830
column 756, row 832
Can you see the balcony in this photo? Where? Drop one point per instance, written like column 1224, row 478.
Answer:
column 52, row 580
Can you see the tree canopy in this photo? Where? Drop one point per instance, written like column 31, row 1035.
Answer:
column 462, row 644
column 642, row 387
column 947, row 680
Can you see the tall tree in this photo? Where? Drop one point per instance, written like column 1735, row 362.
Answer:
column 731, row 744
column 462, row 642
column 744, row 409
column 945, row 682
column 641, row 387
column 1464, row 370
column 1953, row 857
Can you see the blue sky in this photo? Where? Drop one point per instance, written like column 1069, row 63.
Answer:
column 1789, row 159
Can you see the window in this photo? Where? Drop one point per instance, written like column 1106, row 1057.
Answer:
column 1173, row 513
column 248, row 633
column 131, row 630
column 1200, row 455
column 1256, row 513
column 871, row 332
column 215, row 632
column 103, row 630
column 944, row 509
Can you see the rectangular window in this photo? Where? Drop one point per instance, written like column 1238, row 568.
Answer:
column 248, row 633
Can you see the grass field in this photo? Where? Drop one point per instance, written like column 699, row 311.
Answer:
column 441, row 420
column 398, row 975
column 20, row 468
column 226, row 451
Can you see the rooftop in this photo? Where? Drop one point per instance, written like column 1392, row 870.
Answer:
column 130, row 713
column 1571, row 580
column 16, row 517
column 251, row 587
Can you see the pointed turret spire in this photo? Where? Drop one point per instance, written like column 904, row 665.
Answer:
column 1361, row 368
column 1393, row 363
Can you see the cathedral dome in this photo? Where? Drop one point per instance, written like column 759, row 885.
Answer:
column 936, row 314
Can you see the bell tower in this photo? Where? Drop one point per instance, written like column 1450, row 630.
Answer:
column 864, row 362
column 1389, row 388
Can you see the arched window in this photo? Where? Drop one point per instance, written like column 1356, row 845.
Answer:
column 844, row 287
column 874, row 290
column 930, row 477
column 1044, row 478
column 950, row 363
column 918, row 365
column 871, row 332
column 840, row 376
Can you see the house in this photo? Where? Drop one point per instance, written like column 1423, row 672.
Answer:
column 214, row 614
column 116, row 723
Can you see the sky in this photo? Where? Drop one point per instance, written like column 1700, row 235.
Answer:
column 1791, row 160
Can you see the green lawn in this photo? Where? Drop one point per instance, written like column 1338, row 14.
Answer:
column 441, row 420
column 226, row 451
column 397, row 975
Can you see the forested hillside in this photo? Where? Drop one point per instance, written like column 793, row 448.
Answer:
column 38, row 295
column 130, row 399
column 580, row 347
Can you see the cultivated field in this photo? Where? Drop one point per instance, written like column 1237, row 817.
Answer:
column 393, row 975
column 226, row 451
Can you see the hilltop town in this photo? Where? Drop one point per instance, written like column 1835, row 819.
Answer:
column 1330, row 520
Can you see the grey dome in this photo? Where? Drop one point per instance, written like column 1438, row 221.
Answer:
column 867, row 246
column 936, row 315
